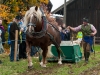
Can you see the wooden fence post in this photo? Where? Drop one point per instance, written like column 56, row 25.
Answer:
column 94, row 40
column 16, row 45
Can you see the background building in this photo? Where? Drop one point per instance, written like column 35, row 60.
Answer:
column 77, row 9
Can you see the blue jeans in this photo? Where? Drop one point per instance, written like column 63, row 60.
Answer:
column 12, row 51
column 33, row 50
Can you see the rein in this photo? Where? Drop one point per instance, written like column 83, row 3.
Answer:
column 53, row 26
column 43, row 31
column 38, row 34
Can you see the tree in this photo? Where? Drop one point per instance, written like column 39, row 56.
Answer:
column 5, row 12
column 14, row 7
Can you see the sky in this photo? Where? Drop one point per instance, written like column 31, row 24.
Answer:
column 57, row 3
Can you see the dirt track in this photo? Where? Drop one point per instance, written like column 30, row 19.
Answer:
column 45, row 71
column 92, row 71
column 49, row 70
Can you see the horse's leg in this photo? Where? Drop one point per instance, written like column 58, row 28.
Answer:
column 28, row 50
column 59, row 56
column 44, row 54
column 49, row 54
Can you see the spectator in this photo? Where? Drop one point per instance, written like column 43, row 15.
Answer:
column 22, row 46
column 13, row 27
column 3, row 32
column 1, row 47
column 9, row 41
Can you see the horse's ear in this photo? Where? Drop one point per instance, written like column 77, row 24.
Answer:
column 36, row 8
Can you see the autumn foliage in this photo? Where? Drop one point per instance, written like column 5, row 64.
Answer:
column 11, row 8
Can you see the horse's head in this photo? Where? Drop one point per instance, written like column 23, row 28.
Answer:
column 33, row 17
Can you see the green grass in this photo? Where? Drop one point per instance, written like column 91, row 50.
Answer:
column 20, row 67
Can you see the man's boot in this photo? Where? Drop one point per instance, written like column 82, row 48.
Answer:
column 87, row 54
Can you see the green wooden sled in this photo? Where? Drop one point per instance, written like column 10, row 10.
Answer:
column 71, row 51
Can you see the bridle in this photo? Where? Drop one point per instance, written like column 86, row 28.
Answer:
column 32, row 23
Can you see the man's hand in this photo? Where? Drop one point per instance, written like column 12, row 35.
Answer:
column 92, row 34
column 68, row 27
column 21, row 30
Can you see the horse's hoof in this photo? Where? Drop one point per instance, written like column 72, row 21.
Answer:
column 30, row 67
column 59, row 62
column 43, row 65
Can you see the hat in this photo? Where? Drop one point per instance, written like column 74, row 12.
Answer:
column 85, row 20
column 18, row 17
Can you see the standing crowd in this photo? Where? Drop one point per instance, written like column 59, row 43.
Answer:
column 16, row 24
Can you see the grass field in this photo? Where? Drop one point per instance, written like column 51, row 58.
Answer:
column 20, row 67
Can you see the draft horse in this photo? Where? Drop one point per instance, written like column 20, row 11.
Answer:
column 39, row 35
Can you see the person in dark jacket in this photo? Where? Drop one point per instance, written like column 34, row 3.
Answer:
column 13, row 27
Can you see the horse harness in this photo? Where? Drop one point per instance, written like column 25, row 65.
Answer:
column 44, row 29
column 43, row 32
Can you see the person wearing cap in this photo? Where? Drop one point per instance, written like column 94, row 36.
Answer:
column 88, row 31
column 13, row 27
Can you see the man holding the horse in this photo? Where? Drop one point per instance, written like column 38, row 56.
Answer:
column 88, row 31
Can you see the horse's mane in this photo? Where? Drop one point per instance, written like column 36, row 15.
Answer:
column 30, row 12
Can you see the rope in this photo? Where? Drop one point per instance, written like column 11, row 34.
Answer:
column 55, row 43
column 12, row 40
